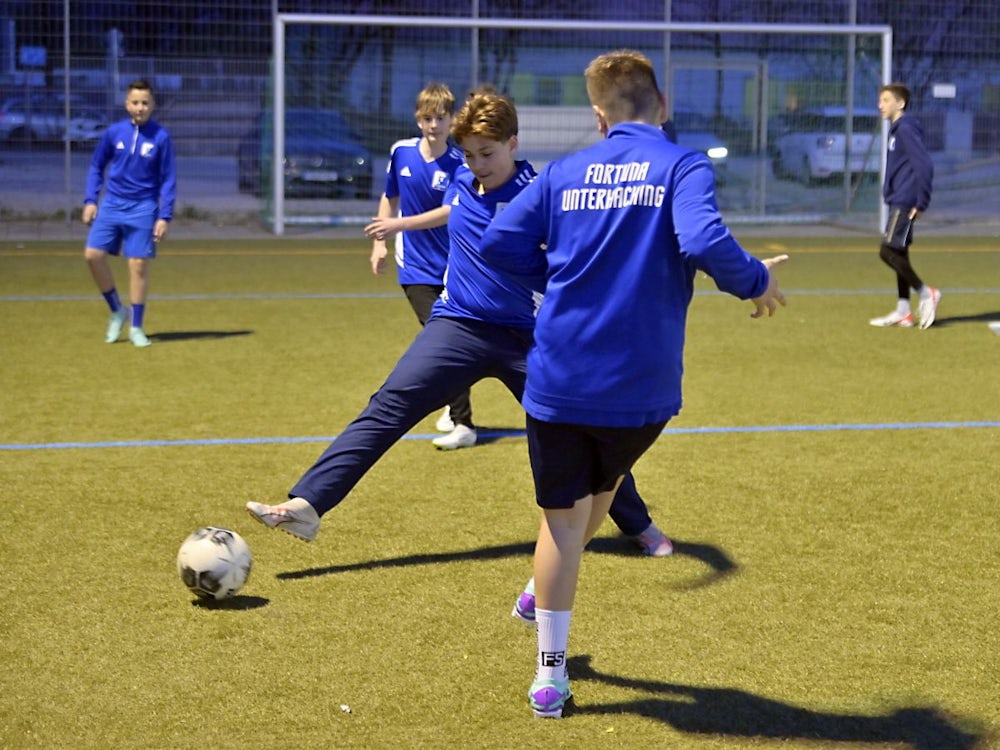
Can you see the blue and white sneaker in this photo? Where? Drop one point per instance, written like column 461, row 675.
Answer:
column 547, row 698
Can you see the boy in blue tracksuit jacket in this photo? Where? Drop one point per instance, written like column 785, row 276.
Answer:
column 480, row 327
column 618, row 231
column 139, row 193
column 909, row 175
column 419, row 172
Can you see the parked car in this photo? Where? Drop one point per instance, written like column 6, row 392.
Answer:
column 323, row 156
column 44, row 121
column 809, row 145
column 694, row 131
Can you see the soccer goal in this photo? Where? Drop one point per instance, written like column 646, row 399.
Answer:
column 785, row 111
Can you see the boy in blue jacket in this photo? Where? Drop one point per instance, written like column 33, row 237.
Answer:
column 419, row 172
column 909, row 173
column 481, row 326
column 616, row 232
column 137, row 207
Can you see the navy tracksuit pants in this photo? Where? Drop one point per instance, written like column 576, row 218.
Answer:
column 447, row 357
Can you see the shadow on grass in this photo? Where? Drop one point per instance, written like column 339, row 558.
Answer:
column 194, row 335
column 717, row 561
column 737, row 713
column 988, row 317
column 232, row 603
column 487, row 435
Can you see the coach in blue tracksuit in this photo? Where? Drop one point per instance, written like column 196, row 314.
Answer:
column 617, row 231
column 137, row 208
column 909, row 175
column 480, row 327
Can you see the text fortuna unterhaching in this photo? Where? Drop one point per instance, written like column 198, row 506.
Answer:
column 620, row 194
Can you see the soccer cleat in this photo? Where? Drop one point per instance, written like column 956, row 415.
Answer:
column 524, row 608
column 296, row 517
column 928, row 308
column 444, row 423
column 654, row 542
column 900, row 320
column 138, row 338
column 460, row 437
column 115, row 323
column 547, row 698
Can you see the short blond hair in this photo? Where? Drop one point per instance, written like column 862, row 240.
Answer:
column 435, row 98
column 488, row 114
column 623, row 85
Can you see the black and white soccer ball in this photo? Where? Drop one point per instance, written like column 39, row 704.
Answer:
column 214, row 563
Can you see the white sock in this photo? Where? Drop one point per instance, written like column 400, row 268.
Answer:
column 903, row 307
column 553, row 635
column 924, row 292
column 529, row 587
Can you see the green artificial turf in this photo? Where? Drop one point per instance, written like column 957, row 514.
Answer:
column 831, row 488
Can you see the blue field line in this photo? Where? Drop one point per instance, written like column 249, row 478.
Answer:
column 395, row 295
column 496, row 434
column 202, row 297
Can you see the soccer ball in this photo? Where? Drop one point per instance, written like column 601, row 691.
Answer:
column 214, row 563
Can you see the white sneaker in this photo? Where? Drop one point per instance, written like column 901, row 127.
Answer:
column 895, row 318
column 460, row 437
column 296, row 517
column 444, row 423
column 138, row 337
column 115, row 324
column 928, row 308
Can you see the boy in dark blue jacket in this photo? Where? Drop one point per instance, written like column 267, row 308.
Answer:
column 909, row 174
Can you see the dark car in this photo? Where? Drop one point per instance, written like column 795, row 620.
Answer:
column 323, row 156
column 694, row 131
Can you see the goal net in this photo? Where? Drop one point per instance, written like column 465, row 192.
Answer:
column 786, row 112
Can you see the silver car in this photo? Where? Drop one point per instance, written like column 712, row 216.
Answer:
column 44, row 121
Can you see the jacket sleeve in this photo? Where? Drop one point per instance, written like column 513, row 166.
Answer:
column 168, row 179
column 704, row 239
column 921, row 165
column 515, row 240
column 95, row 173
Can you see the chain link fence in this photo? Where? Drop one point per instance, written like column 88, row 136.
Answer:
column 64, row 68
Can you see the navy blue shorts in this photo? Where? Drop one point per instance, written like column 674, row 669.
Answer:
column 571, row 461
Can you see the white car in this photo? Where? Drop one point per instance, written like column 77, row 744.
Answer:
column 811, row 146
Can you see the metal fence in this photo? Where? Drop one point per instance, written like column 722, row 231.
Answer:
column 211, row 65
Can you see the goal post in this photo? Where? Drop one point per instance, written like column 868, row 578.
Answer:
column 368, row 68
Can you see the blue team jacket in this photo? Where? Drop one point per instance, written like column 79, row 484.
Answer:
column 617, row 231
column 141, row 167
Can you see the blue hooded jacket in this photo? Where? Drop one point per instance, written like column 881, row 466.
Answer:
column 909, row 171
